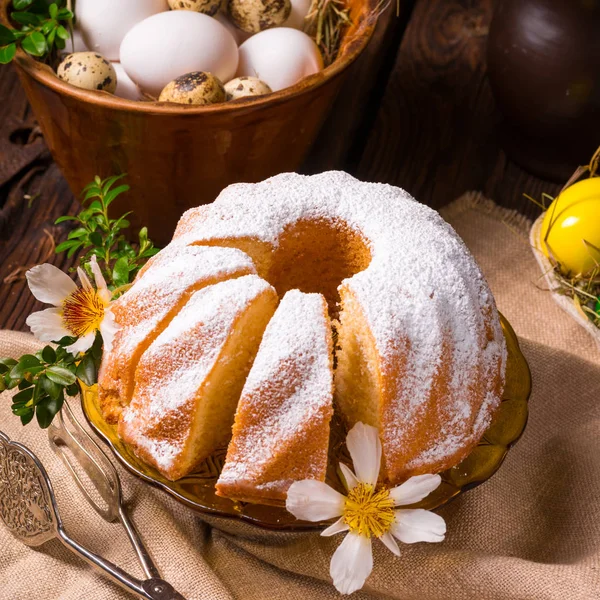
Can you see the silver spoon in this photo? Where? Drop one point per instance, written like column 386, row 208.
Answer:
column 29, row 511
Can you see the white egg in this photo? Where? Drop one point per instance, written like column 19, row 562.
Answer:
column 168, row 45
column 280, row 57
column 104, row 23
column 300, row 9
column 238, row 35
column 125, row 87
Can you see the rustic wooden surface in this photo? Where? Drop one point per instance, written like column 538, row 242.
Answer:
column 417, row 111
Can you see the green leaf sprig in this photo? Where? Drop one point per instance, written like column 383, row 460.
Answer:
column 44, row 378
column 43, row 27
column 103, row 237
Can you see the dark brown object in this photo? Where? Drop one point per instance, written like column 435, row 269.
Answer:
column 435, row 132
column 416, row 110
column 544, row 67
column 177, row 156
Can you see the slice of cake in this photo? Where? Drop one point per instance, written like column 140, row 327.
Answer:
column 189, row 381
column 281, row 430
column 157, row 295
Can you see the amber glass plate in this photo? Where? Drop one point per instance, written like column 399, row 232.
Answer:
column 198, row 490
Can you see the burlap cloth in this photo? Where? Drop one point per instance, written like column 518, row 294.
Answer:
column 531, row 532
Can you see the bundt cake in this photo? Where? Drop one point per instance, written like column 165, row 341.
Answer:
column 419, row 350
column 281, row 429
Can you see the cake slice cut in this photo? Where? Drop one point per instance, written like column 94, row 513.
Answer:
column 189, row 381
column 281, row 429
column 156, row 296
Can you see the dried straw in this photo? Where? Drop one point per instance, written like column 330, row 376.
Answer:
column 325, row 22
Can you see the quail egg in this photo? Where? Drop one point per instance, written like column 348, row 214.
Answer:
column 208, row 7
column 88, row 70
column 194, row 88
column 253, row 16
column 241, row 87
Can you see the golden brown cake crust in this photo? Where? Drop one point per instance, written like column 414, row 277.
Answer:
column 281, row 430
column 189, row 380
column 156, row 297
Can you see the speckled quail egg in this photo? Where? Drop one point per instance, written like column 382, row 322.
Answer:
column 208, row 7
column 88, row 70
column 194, row 88
column 241, row 87
column 257, row 15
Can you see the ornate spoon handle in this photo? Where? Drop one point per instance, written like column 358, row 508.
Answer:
column 66, row 431
column 28, row 508
column 151, row 589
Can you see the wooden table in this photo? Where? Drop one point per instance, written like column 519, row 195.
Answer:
column 419, row 113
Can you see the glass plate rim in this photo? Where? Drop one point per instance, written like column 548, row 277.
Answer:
column 514, row 353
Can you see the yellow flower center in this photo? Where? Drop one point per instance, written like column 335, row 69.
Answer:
column 368, row 511
column 83, row 311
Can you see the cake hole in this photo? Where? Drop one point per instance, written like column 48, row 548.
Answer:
column 316, row 256
column 312, row 256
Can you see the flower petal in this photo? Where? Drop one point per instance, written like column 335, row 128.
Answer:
column 101, row 286
column 418, row 525
column 84, row 343
column 108, row 330
column 49, row 284
column 349, row 476
column 415, row 489
column 390, row 543
column 313, row 500
column 47, row 325
column 85, row 280
column 365, row 449
column 337, row 527
column 351, row 563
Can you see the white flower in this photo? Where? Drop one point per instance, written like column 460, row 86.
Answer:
column 367, row 511
column 77, row 312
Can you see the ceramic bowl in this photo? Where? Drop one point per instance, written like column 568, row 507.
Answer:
column 177, row 156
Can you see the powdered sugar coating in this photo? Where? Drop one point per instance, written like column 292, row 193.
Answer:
column 167, row 281
column 174, row 271
column 286, row 405
column 423, row 296
column 176, row 364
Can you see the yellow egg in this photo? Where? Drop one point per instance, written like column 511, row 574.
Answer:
column 571, row 228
